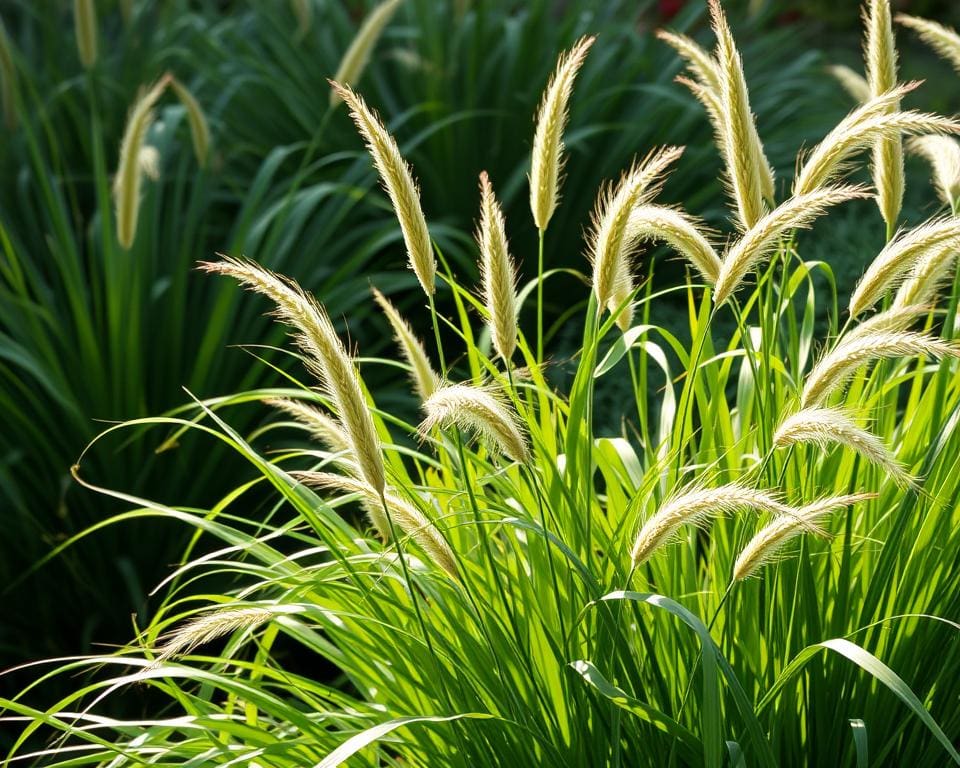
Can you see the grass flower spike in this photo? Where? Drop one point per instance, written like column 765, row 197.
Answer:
column 748, row 171
column 944, row 40
column 834, row 368
column 765, row 546
column 321, row 426
column 398, row 181
column 546, row 164
column 355, row 60
column 701, row 64
column 497, row 273
column 943, row 154
column 926, row 278
column 210, row 626
column 404, row 515
column 881, row 60
column 425, row 380
column 85, row 27
column 826, row 426
column 860, row 130
column 610, row 239
column 325, row 357
column 757, row 243
column 696, row 507
column 680, row 231
column 893, row 263
column 853, row 82
column 126, row 188
column 480, row 410
column 199, row 128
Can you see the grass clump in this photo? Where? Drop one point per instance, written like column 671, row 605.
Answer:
column 554, row 594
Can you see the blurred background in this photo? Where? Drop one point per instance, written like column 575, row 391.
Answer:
column 92, row 334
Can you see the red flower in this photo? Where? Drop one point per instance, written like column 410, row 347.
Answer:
column 669, row 8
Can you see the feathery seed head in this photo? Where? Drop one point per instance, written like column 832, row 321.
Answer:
column 209, row 627
column 827, row 426
column 85, row 28
column 701, row 64
column 943, row 154
column 478, row 409
column 880, row 53
column 497, row 273
column 861, row 129
column 405, row 516
column 834, row 368
column 547, row 160
column 710, row 101
column 397, row 179
column 321, row 426
column 748, row 170
column 763, row 237
column 610, row 242
column 325, row 357
column 199, row 128
column 680, row 231
column 357, row 55
column 926, row 278
column 696, row 506
column 892, row 319
column 126, row 188
column 944, row 40
column 902, row 253
column 763, row 547
column 424, row 379
column 853, row 82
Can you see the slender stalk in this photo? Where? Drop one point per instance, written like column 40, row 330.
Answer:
column 540, row 234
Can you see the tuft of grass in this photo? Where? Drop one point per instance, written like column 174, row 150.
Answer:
column 559, row 593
